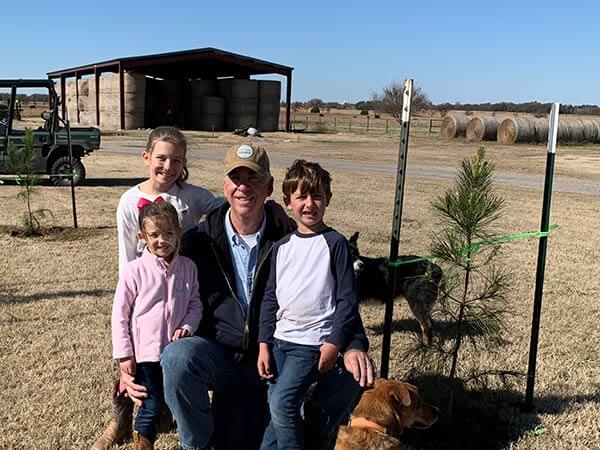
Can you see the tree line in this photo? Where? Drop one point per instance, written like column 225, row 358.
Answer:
column 525, row 107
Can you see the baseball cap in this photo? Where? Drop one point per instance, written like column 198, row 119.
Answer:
column 252, row 156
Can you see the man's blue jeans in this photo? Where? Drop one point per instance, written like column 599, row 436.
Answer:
column 195, row 365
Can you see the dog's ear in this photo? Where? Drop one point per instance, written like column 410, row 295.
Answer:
column 401, row 394
column 354, row 237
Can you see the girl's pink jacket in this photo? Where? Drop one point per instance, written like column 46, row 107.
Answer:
column 152, row 300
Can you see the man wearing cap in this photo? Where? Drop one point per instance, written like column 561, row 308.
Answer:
column 232, row 250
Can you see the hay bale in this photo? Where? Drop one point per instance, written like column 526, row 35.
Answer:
column 575, row 128
column 269, row 95
column 454, row 126
column 591, row 130
column 482, row 129
column 515, row 129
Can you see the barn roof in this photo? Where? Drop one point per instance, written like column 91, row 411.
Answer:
column 205, row 63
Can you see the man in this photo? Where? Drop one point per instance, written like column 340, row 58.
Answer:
column 232, row 249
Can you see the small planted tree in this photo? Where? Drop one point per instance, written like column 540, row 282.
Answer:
column 475, row 284
column 21, row 162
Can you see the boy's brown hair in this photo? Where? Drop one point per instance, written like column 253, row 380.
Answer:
column 309, row 176
column 165, row 218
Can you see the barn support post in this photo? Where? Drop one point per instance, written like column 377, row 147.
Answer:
column 77, row 78
column 122, row 96
column 396, row 225
column 288, row 101
column 97, row 84
column 541, row 261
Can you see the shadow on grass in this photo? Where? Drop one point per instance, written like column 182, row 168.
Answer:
column 483, row 418
column 88, row 182
column 8, row 298
column 443, row 329
column 94, row 182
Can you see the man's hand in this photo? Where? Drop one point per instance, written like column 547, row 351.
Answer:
column 264, row 361
column 361, row 366
column 180, row 333
column 329, row 355
column 136, row 392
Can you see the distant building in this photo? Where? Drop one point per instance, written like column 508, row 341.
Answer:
column 203, row 89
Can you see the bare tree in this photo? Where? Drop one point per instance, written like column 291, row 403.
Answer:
column 391, row 98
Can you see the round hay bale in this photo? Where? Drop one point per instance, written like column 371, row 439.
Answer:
column 269, row 91
column 454, row 126
column 591, row 130
column 482, row 129
column 575, row 128
column 562, row 132
column 268, row 123
column 207, row 113
column 234, row 121
column 516, row 129
column 540, row 127
column 242, row 108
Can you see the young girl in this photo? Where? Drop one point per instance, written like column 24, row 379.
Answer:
column 156, row 302
column 165, row 158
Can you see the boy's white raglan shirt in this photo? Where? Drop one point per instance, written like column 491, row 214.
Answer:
column 310, row 297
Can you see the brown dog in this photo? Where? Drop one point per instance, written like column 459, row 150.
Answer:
column 382, row 413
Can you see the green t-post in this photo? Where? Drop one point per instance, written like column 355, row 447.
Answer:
column 396, row 223
column 541, row 261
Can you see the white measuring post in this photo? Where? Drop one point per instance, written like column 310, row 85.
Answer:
column 541, row 262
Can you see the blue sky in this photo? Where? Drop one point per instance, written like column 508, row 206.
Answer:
column 461, row 51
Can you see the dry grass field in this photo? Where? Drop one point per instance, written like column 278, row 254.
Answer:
column 56, row 291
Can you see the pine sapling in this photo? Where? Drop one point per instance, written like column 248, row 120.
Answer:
column 475, row 284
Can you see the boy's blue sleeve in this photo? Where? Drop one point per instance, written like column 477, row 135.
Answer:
column 269, row 305
column 346, row 309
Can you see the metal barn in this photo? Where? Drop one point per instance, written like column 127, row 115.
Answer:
column 203, row 89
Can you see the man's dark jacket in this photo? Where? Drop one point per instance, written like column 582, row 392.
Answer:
column 224, row 319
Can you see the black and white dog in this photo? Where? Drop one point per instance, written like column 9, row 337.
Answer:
column 420, row 282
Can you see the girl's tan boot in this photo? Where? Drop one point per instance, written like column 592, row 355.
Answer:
column 141, row 442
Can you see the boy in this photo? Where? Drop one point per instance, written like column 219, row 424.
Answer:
column 309, row 309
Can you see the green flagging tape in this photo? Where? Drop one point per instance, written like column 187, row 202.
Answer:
column 477, row 245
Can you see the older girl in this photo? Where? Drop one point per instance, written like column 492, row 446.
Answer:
column 165, row 158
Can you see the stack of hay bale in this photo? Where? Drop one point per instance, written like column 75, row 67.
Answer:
column 514, row 130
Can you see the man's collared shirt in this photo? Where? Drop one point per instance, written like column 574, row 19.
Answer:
column 244, row 254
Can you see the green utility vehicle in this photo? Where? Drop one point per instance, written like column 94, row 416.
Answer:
column 50, row 137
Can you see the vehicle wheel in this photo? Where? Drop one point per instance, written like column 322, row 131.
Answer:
column 61, row 167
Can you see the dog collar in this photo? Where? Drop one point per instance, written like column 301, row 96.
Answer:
column 361, row 422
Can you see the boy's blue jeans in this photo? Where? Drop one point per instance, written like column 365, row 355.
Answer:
column 295, row 371
column 195, row 365
column 148, row 374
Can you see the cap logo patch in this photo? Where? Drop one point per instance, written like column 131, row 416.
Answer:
column 245, row 151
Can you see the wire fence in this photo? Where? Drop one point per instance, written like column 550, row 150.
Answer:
column 314, row 123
